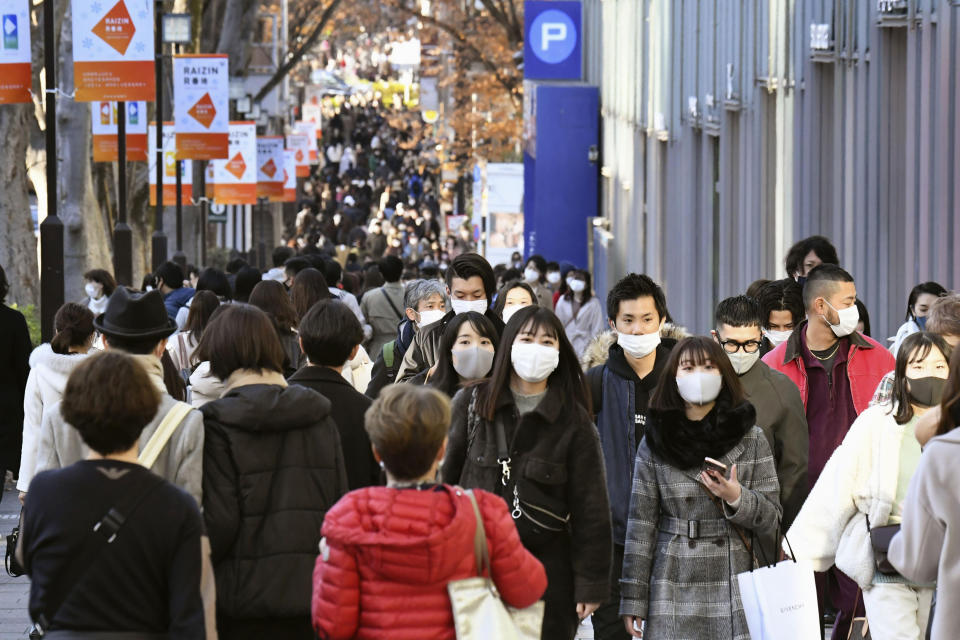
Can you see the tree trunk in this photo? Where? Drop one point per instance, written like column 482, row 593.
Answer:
column 18, row 245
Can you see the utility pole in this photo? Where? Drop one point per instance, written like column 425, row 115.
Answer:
column 122, row 234
column 159, row 239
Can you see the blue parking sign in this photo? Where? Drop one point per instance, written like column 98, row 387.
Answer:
column 553, row 47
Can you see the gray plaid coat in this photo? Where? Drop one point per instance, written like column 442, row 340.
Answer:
column 682, row 557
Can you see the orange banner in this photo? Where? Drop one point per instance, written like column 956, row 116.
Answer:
column 202, row 145
column 272, row 190
column 170, row 194
column 105, row 148
column 15, row 83
column 235, row 193
column 120, row 81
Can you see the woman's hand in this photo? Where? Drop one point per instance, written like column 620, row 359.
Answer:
column 633, row 624
column 585, row 609
column 727, row 490
column 927, row 425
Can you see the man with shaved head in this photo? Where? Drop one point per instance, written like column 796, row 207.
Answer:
column 837, row 370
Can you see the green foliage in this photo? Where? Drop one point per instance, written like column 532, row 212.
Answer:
column 32, row 315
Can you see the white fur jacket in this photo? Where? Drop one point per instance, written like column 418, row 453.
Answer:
column 859, row 479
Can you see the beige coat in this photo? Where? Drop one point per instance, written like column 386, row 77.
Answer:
column 928, row 545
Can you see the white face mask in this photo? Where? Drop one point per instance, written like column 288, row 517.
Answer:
column 462, row 306
column 531, row 275
column 638, row 346
column 534, row 362
column 848, row 319
column 777, row 338
column 472, row 363
column 93, row 290
column 553, row 277
column 430, row 316
column 577, row 286
column 699, row 387
column 509, row 311
column 743, row 362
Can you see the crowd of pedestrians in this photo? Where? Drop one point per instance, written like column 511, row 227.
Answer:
column 327, row 446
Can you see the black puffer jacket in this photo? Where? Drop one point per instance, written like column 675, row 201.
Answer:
column 272, row 467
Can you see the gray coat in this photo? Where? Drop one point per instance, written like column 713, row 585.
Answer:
column 180, row 462
column 684, row 587
column 383, row 318
column 781, row 415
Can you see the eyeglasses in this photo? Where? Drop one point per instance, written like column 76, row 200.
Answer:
column 732, row 346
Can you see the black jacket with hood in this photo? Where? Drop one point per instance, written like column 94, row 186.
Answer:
column 272, row 468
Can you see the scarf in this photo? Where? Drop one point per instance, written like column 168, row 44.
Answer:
column 98, row 306
column 154, row 369
column 244, row 377
column 684, row 443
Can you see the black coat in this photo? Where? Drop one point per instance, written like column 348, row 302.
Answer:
column 555, row 454
column 15, row 350
column 272, row 468
column 349, row 407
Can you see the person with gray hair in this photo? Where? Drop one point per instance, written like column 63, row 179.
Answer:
column 424, row 302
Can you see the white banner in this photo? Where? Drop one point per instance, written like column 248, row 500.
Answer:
column 236, row 177
column 270, row 165
column 310, row 129
column 300, row 145
column 113, row 50
column 103, row 116
column 289, row 175
column 201, row 107
column 15, row 76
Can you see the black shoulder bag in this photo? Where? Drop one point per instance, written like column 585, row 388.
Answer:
column 14, row 570
column 106, row 529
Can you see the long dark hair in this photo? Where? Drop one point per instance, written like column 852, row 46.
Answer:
column 698, row 350
column 446, row 378
column 270, row 297
column 104, row 277
column 507, row 288
column 931, row 287
column 202, row 306
column 584, row 275
column 914, row 348
column 568, row 376
column 309, row 288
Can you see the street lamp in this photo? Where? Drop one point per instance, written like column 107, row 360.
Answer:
column 176, row 30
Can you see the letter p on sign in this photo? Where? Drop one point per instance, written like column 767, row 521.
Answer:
column 552, row 32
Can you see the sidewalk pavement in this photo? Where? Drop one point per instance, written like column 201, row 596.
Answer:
column 14, row 592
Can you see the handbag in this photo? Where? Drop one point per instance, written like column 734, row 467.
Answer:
column 780, row 601
column 478, row 611
column 880, row 538
column 14, row 570
column 859, row 627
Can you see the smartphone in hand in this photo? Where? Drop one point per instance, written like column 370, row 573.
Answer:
column 715, row 465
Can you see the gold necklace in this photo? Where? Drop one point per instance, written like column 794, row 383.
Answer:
column 825, row 358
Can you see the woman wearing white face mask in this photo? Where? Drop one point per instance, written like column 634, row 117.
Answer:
column 865, row 481
column 688, row 522
column 465, row 354
column 512, row 297
column 580, row 311
column 526, row 435
column 99, row 285
column 535, row 275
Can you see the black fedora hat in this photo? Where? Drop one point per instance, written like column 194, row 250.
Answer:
column 135, row 315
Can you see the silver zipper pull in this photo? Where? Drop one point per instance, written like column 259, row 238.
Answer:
column 516, row 505
column 505, row 470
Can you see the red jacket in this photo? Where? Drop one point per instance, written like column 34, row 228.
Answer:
column 867, row 363
column 388, row 555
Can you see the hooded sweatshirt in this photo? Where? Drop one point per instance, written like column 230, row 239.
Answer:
column 388, row 555
column 48, row 378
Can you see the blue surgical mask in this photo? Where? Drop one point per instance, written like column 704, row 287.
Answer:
column 921, row 322
column 801, row 280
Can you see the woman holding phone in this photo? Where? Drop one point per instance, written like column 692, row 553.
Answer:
column 705, row 493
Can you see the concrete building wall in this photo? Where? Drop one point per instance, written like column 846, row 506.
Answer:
column 726, row 138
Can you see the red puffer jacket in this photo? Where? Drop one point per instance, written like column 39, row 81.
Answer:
column 388, row 555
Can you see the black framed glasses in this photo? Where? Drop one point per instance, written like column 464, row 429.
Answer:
column 732, row 346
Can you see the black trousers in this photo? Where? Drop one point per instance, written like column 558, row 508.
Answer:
column 607, row 623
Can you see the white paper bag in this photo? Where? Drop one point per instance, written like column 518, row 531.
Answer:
column 780, row 602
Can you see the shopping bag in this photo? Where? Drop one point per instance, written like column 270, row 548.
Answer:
column 780, row 602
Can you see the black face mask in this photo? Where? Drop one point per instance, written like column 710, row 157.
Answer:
column 801, row 280
column 925, row 392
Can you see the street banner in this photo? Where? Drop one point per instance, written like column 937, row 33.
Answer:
column 300, row 145
column 310, row 129
column 270, row 165
column 201, row 108
column 235, row 178
column 289, row 177
column 113, row 50
column 105, row 143
column 15, row 77
column 313, row 113
column 169, row 167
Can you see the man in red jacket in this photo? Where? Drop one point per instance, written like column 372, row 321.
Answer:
column 837, row 370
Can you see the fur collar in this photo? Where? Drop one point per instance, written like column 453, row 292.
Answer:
column 684, row 443
column 44, row 356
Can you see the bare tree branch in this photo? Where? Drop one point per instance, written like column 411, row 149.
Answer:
column 293, row 59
